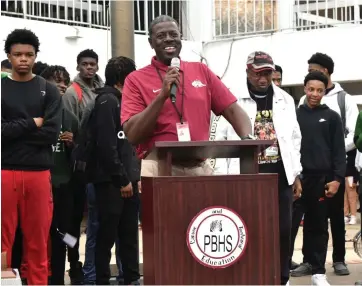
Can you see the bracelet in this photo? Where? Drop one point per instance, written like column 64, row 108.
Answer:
column 248, row 137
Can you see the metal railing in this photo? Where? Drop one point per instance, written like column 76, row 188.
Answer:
column 235, row 17
column 93, row 14
column 251, row 17
column 231, row 17
column 87, row 13
column 317, row 14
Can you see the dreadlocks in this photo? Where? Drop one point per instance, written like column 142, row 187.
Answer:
column 117, row 69
column 56, row 72
column 39, row 67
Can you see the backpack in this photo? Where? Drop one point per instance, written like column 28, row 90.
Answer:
column 85, row 141
column 78, row 91
column 341, row 99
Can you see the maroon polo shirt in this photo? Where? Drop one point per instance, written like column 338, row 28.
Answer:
column 202, row 92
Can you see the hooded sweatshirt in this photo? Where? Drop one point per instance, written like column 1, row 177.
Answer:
column 322, row 147
column 114, row 158
column 330, row 99
column 71, row 100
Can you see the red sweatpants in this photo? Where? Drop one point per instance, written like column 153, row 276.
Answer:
column 29, row 195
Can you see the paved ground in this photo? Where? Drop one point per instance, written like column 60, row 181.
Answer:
column 353, row 261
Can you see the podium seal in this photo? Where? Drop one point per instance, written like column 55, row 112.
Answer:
column 217, row 237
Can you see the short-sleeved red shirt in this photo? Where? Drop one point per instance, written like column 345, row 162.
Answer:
column 203, row 92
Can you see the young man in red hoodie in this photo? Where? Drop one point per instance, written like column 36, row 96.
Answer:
column 30, row 124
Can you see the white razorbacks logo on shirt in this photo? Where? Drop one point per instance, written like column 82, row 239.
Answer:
column 197, row 83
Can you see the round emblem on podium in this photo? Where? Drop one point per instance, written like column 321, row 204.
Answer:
column 217, row 237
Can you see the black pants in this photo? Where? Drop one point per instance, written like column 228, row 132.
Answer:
column 78, row 201
column 315, row 229
column 285, row 223
column 297, row 216
column 62, row 199
column 117, row 216
column 338, row 229
column 335, row 213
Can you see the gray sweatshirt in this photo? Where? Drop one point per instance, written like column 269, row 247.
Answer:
column 70, row 98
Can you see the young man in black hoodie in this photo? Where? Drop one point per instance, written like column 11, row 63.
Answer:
column 323, row 159
column 115, row 173
column 30, row 124
column 61, row 177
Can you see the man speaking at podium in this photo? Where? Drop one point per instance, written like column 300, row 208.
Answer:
column 153, row 111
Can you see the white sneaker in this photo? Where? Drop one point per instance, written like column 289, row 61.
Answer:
column 353, row 220
column 320, row 280
column 287, row 283
column 346, row 219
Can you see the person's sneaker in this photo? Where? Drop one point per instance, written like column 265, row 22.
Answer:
column 346, row 219
column 76, row 274
column 320, row 280
column 303, row 269
column 293, row 265
column 340, row 268
column 352, row 220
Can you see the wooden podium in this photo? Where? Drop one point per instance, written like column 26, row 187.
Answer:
column 170, row 203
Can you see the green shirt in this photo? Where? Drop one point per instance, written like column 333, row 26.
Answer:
column 358, row 133
column 4, row 74
column 62, row 169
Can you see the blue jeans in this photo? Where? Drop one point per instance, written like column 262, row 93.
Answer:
column 89, row 268
column 118, row 261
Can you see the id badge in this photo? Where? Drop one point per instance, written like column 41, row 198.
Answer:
column 183, row 131
column 272, row 151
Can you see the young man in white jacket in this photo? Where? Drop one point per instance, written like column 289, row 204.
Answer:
column 272, row 113
column 333, row 99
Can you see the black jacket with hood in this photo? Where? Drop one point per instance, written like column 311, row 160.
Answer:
column 322, row 147
column 114, row 160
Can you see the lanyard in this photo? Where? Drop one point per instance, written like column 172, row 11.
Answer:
column 180, row 114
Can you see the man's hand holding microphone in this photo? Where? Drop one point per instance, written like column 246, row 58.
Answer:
column 171, row 80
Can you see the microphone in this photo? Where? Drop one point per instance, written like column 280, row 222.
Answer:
column 175, row 63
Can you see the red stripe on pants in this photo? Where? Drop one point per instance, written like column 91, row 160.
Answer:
column 29, row 195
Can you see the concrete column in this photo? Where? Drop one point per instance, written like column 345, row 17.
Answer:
column 122, row 28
